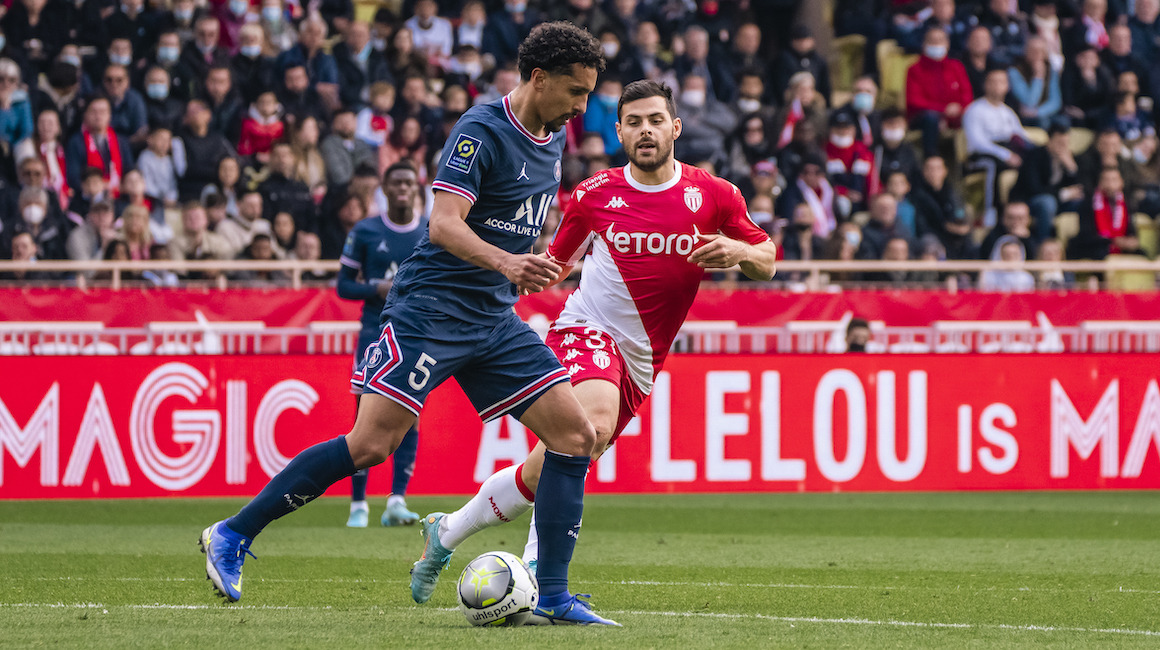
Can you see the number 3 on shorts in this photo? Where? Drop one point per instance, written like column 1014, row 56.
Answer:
column 421, row 374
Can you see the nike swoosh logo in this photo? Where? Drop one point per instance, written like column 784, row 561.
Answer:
column 237, row 585
column 549, row 612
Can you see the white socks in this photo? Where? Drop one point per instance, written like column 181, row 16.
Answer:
column 396, row 499
column 500, row 499
column 532, row 549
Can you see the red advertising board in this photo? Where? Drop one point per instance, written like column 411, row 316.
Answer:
column 747, row 307
column 140, row 427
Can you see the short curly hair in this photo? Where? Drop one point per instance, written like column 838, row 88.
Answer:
column 554, row 47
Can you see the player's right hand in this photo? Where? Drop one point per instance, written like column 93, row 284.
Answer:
column 530, row 273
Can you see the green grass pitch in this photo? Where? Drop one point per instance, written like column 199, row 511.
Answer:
column 747, row 571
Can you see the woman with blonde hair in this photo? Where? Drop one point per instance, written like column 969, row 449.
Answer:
column 310, row 167
column 15, row 109
column 135, row 231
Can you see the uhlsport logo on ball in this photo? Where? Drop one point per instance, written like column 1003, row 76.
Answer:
column 497, row 589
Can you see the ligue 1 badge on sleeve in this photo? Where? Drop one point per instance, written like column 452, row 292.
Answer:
column 557, row 170
column 693, row 198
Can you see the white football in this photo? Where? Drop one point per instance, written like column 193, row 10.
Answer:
column 497, row 589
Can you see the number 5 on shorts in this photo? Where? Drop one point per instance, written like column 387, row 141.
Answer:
column 422, row 373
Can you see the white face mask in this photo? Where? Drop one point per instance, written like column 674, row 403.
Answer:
column 34, row 214
column 936, row 52
column 842, row 141
column 761, row 217
column 693, row 98
column 610, row 50
column 893, row 136
column 748, row 105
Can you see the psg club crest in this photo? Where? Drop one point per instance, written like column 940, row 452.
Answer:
column 693, row 198
column 374, row 356
column 557, row 171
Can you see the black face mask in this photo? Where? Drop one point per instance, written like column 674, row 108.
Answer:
column 802, row 227
column 856, row 347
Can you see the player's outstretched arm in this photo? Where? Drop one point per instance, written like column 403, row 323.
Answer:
column 449, row 230
column 757, row 261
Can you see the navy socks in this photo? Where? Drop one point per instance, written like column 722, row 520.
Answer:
column 559, row 507
column 303, row 480
column 404, row 461
column 358, row 485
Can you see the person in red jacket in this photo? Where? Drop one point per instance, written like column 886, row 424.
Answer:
column 261, row 128
column 849, row 163
column 937, row 90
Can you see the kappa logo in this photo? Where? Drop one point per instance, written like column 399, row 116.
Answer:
column 617, row 202
column 572, row 354
column 693, row 198
column 574, row 368
column 569, row 338
column 601, row 359
column 523, row 173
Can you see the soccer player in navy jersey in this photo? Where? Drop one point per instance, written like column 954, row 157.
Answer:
column 449, row 314
column 371, row 256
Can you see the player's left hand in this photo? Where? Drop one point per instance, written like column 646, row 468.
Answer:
column 717, row 252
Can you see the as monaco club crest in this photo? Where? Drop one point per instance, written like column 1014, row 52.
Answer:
column 693, row 198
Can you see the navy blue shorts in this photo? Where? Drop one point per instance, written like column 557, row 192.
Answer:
column 502, row 367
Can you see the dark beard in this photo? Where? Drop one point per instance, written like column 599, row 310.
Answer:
column 664, row 157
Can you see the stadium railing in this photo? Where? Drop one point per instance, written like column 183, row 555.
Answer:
column 815, row 275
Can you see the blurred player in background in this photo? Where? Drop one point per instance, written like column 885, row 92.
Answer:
column 654, row 226
column 449, row 314
column 371, row 256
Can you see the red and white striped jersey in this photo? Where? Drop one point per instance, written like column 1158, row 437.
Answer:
column 638, row 284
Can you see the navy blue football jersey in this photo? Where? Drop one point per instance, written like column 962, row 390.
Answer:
column 375, row 248
column 511, row 178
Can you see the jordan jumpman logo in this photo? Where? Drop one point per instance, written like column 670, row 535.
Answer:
column 523, row 173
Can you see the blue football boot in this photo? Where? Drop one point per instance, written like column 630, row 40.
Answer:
column 575, row 611
column 225, row 551
column 425, row 573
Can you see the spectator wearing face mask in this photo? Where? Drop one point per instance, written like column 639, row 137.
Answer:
column 800, row 242
column 849, row 165
column 937, row 91
column 863, row 112
column 253, row 71
column 891, row 152
column 48, row 234
column 705, row 123
column 601, row 116
column 131, row 20
column 164, row 55
column 232, row 15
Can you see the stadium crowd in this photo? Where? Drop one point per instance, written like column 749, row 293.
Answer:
column 186, row 129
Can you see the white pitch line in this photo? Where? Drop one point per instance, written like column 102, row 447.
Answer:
column 633, row 612
column 635, row 583
column 892, row 623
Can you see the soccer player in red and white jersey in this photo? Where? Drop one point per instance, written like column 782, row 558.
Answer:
column 652, row 228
